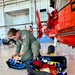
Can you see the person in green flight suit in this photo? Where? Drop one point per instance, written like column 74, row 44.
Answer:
column 27, row 47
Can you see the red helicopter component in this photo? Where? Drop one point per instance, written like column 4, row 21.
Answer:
column 61, row 24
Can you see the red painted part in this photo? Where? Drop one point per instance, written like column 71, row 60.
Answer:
column 66, row 18
column 52, row 22
column 66, row 23
column 39, row 25
column 70, row 40
column 39, row 34
column 54, row 19
column 62, row 23
column 38, row 20
column 50, row 33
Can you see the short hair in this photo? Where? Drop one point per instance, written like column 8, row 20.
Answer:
column 12, row 32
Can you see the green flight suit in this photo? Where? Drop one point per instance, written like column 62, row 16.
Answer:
column 31, row 47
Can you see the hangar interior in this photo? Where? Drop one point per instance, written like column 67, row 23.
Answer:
column 17, row 13
column 21, row 14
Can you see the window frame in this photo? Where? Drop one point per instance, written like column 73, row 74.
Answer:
column 60, row 8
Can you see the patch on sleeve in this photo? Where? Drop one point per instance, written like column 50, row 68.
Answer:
column 24, row 36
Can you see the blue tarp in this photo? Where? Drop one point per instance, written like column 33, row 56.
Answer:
column 44, row 39
column 1, row 41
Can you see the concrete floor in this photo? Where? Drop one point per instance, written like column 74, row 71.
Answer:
column 61, row 50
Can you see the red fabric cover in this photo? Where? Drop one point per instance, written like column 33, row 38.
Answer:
column 41, row 65
column 45, row 65
column 37, row 63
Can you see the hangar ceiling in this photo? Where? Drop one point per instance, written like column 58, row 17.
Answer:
column 9, row 2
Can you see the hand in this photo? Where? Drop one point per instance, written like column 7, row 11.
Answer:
column 13, row 55
column 16, row 57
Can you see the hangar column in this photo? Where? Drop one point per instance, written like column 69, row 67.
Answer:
column 3, row 20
